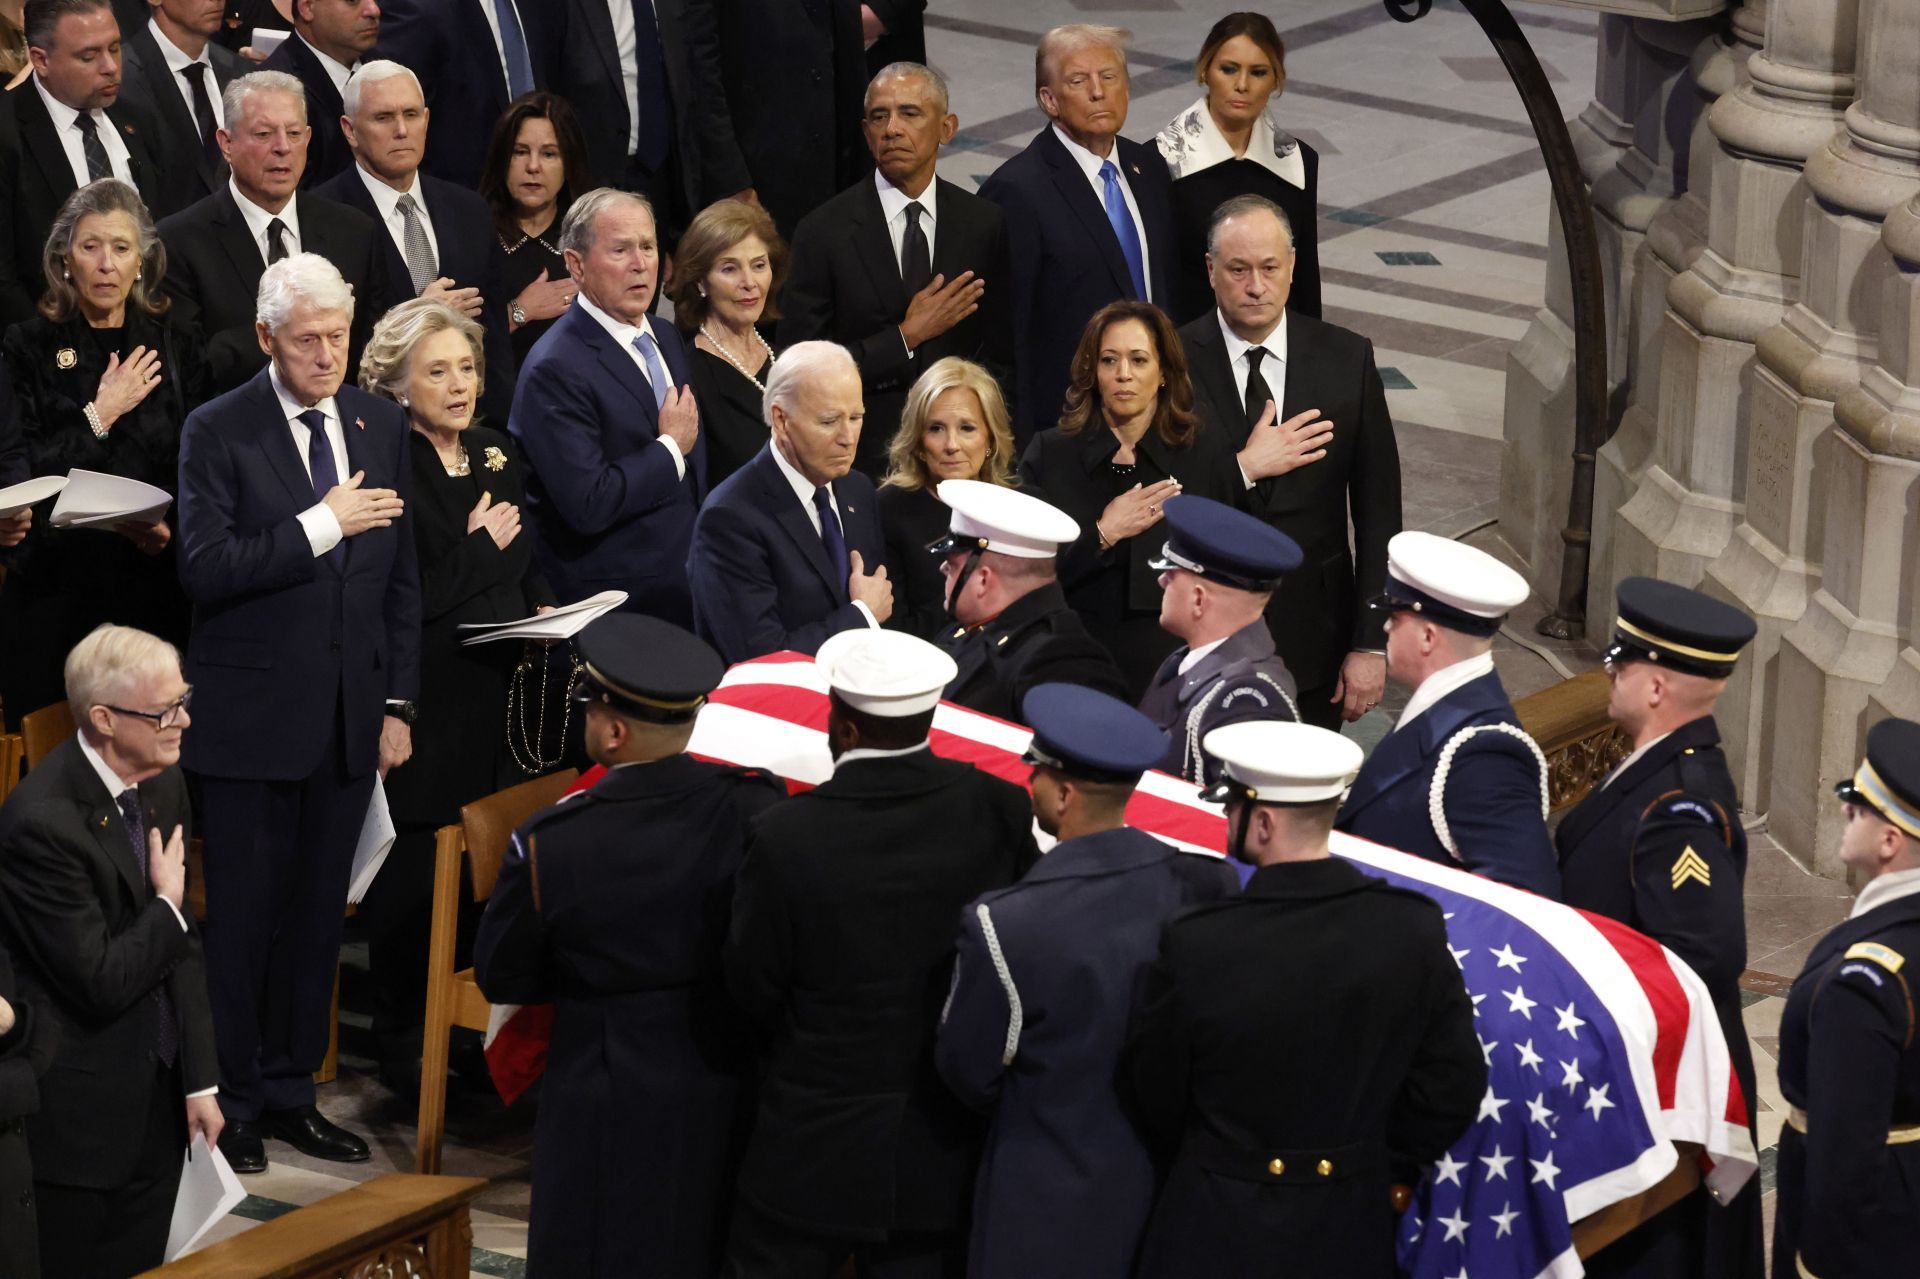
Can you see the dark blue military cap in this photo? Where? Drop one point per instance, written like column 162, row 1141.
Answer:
column 1888, row 779
column 1212, row 540
column 1677, row 627
column 1087, row 734
column 646, row 668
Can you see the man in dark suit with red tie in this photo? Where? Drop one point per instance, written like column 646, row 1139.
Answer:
column 1089, row 215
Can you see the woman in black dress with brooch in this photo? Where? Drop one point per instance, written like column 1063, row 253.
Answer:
column 1128, row 440
column 536, row 166
column 480, row 717
column 1227, row 144
column 727, row 268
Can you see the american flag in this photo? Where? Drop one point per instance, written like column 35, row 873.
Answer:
column 1602, row 1048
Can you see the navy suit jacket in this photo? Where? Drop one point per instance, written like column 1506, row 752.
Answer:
column 449, row 45
column 1492, row 794
column 1066, row 261
column 284, row 641
column 463, row 229
column 761, row 576
column 609, row 507
column 327, row 149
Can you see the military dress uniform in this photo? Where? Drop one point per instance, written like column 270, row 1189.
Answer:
column 1457, row 781
column 612, row 906
column 1037, row 1016
column 1849, row 1201
column 1291, row 1108
column 1658, row 846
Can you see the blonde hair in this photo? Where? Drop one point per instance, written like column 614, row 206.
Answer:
column 384, row 364
column 108, row 665
column 907, row 468
column 714, row 230
column 1075, row 35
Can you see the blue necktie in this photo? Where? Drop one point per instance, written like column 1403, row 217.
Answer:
column 325, row 474
column 166, row 1039
column 1123, row 227
column 513, row 43
column 657, row 377
column 836, row 542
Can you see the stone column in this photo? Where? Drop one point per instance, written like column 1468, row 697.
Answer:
column 1856, row 485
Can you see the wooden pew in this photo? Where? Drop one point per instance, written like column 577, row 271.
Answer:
column 399, row 1224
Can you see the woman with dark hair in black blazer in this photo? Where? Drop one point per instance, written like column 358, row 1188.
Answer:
column 476, row 565
column 1128, row 439
column 536, row 168
column 104, row 381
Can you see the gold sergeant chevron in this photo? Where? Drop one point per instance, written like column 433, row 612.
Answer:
column 1691, row 865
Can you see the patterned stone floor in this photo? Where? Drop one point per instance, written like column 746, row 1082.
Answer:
column 1433, row 235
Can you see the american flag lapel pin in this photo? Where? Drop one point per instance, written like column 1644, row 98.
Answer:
column 360, row 422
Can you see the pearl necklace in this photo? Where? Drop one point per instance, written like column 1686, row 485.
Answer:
column 727, row 355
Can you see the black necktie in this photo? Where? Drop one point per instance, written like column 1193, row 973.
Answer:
column 92, row 148
column 830, row 534
column 321, row 467
column 916, row 260
column 203, row 117
column 656, row 115
column 1258, row 393
column 276, row 241
column 166, row 1039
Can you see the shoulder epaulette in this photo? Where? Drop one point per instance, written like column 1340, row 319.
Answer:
column 1885, row 956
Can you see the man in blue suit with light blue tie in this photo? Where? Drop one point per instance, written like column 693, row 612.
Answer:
column 305, row 661
column 606, row 420
column 1457, row 781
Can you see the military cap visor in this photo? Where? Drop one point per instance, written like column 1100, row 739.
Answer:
column 593, row 686
column 1219, row 544
column 1399, row 597
column 1888, row 779
column 646, row 668
column 1087, row 734
column 1677, row 627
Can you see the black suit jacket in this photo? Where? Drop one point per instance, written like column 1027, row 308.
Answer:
column 214, row 269
column 327, row 149
column 574, row 45
column 92, row 942
column 463, row 229
column 1067, row 262
column 843, row 284
column 1320, row 612
column 150, row 86
column 449, row 45
column 36, row 179
column 906, row 38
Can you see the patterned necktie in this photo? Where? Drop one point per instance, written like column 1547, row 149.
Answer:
column 1258, row 392
column 657, row 379
column 830, row 535
column 916, row 260
column 166, row 1039
column 325, row 474
column 421, row 264
column 1124, row 230
column 276, row 241
column 513, row 46
column 203, row 117
column 92, row 147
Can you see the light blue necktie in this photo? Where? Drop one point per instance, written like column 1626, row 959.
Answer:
column 513, row 43
column 656, row 370
column 1123, row 227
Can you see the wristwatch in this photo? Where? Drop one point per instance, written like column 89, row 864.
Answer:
column 406, row 712
column 517, row 313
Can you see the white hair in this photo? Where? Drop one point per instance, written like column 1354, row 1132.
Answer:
column 107, row 667
column 374, row 73
column 577, row 228
column 242, row 89
column 797, row 365
column 303, row 277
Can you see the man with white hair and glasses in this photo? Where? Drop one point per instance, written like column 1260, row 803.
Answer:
column 298, row 556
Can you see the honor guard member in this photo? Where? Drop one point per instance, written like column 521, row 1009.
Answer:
column 612, row 906
column 1042, row 992
column 1849, row 1205
column 1292, row 1107
column 1012, row 626
column 1658, row 846
column 841, row 952
column 1218, row 570
column 1457, row 781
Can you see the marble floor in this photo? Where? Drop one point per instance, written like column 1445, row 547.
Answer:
column 1433, row 243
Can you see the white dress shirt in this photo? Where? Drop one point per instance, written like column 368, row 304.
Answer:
column 893, row 203
column 116, row 787
column 492, row 16
column 322, row 527
column 803, row 493
column 258, row 222
column 1090, row 165
column 624, row 334
column 66, row 127
column 626, row 45
column 177, row 64
column 1197, row 655
column 1887, row 888
column 1442, row 682
column 387, row 201
column 1273, row 366
column 338, row 72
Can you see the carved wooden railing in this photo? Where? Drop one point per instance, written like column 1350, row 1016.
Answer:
column 1569, row 721
column 400, row 1226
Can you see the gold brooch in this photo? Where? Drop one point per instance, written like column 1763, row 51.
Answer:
column 64, row 358
column 496, row 460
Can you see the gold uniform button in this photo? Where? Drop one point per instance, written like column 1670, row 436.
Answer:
column 1277, row 1167
column 1324, row 1168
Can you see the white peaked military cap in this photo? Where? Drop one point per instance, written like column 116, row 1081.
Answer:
column 1006, row 520
column 887, row 673
column 1451, row 583
column 1276, row 762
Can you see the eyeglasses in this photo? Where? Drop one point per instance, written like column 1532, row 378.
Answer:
column 166, row 717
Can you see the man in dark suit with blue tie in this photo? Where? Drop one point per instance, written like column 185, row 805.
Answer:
column 1089, row 215
column 789, row 550
column 606, row 420
column 300, row 563
column 473, row 60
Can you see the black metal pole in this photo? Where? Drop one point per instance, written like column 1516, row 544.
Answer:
column 1571, row 200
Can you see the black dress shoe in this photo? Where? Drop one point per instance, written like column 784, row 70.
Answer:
column 307, row 1131
column 240, row 1143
